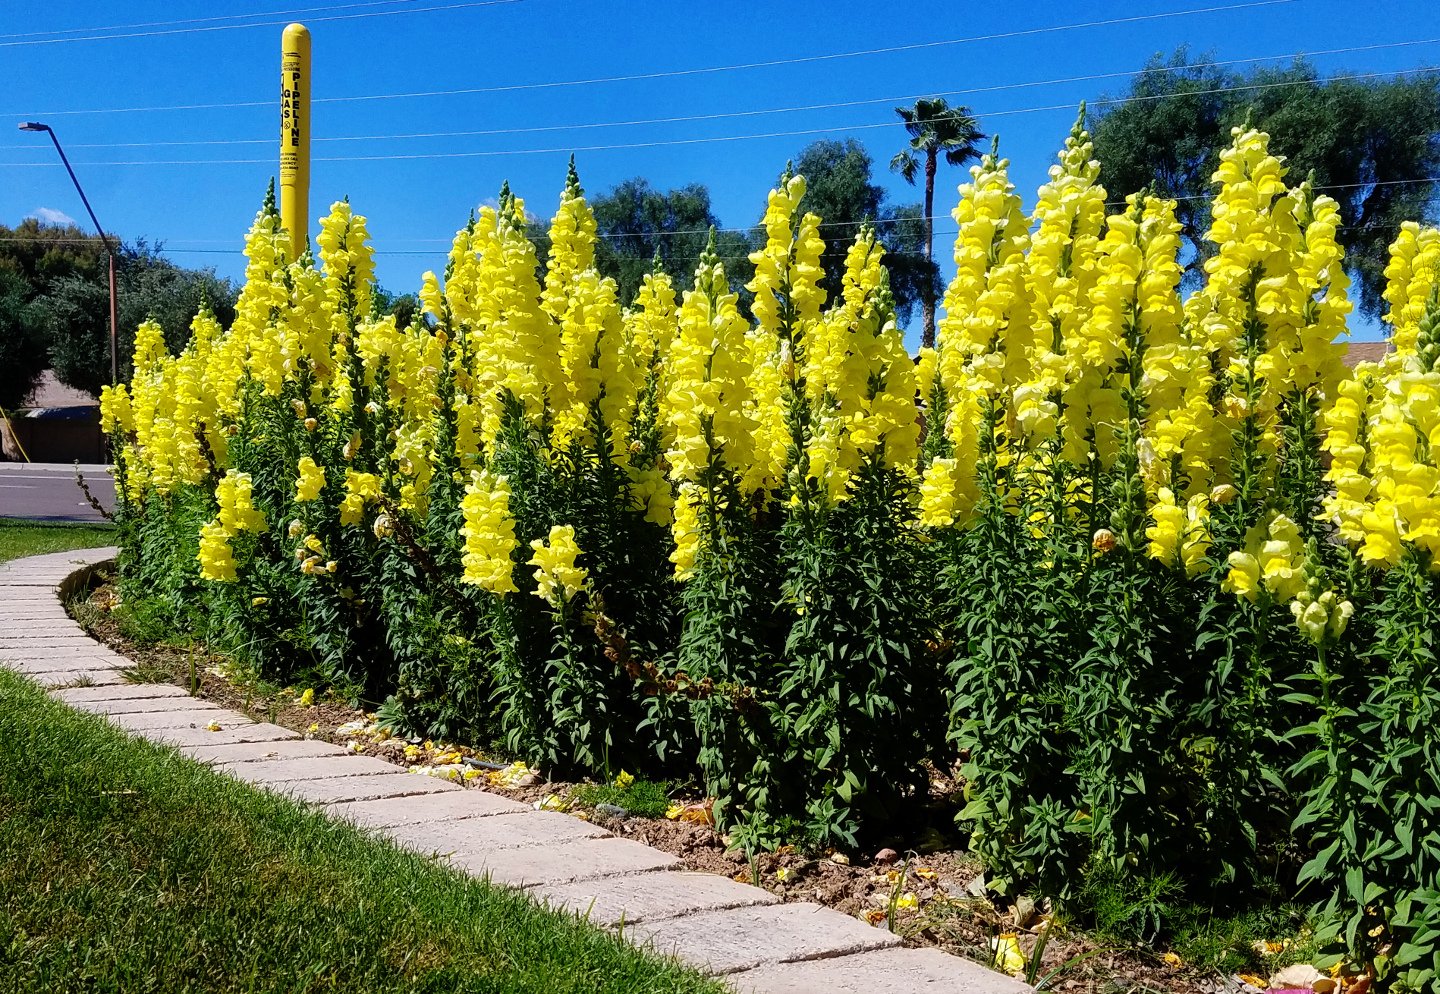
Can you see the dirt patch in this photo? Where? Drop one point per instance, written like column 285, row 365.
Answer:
column 930, row 893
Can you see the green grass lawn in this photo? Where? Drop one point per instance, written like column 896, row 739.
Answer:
column 19, row 537
column 125, row 867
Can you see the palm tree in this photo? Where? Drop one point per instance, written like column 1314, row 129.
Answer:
column 934, row 127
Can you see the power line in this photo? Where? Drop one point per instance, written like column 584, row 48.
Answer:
column 266, row 24
column 204, row 20
column 753, row 113
column 842, row 129
column 674, row 73
column 163, row 247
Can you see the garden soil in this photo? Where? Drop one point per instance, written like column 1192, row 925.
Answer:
column 931, row 894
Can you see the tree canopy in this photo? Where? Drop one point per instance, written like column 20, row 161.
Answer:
column 637, row 224
column 840, row 188
column 1365, row 141
column 55, row 305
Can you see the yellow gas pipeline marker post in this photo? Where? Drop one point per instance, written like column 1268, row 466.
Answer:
column 295, row 135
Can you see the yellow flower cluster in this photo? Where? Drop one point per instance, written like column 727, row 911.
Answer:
column 1274, row 305
column 597, row 369
column 985, row 331
column 1065, row 352
column 236, row 514
column 311, row 482
column 788, row 301
column 1180, row 536
column 556, row 574
column 489, row 533
column 1273, row 560
column 217, row 560
column 349, row 265
column 707, row 395
column 1384, row 430
column 360, row 489
column 1321, row 616
column 1411, row 277
column 859, row 378
column 1061, row 272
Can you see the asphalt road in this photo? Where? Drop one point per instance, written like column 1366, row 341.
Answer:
column 47, row 491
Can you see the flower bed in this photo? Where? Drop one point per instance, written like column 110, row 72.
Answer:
column 1157, row 574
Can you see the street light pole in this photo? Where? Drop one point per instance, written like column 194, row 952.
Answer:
column 109, row 249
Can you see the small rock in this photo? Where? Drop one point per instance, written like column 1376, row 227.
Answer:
column 839, row 859
column 1298, row 975
column 528, row 780
column 885, row 856
column 611, row 810
column 1025, row 911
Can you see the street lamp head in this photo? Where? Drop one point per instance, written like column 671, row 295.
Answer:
column 33, row 126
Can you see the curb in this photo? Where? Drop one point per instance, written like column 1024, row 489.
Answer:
column 715, row 924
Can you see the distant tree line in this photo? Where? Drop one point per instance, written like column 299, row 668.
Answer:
column 640, row 227
column 1371, row 143
column 55, row 305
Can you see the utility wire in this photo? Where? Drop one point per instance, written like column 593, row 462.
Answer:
column 164, row 247
column 753, row 113
column 267, row 24
column 55, row 32
column 667, row 142
column 675, row 73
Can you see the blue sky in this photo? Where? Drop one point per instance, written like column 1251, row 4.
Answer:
column 201, row 209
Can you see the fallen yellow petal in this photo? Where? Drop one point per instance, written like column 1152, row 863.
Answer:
column 1008, row 955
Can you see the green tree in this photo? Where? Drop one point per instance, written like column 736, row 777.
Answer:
column 1365, row 142
column 637, row 224
column 935, row 129
column 31, row 255
column 75, row 311
column 39, row 252
column 840, row 188
column 23, row 355
column 403, row 307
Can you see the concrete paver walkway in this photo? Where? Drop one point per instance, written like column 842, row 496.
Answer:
column 726, row 928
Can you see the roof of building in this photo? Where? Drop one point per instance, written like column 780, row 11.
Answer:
column 1365, row 352
column 50, row 392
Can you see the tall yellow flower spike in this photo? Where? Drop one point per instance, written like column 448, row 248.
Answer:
column 556, row 574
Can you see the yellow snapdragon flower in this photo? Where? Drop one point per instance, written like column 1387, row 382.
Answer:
column 360, row 489
column 217, row 561
column 489, row 534
column 1273, row 560
column 1179, row 535
column 237, row 514
column 311, row 481
column 556, row 574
